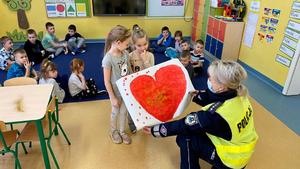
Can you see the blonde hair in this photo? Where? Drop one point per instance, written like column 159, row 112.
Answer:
column 118, row 33
column 137, row 34
column 230, row 74
column 76, row 63
column 46, row 67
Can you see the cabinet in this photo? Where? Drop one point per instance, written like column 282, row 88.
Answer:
column 223, row 38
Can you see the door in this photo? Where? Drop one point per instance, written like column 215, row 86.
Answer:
column 292, row 84
column 207, row 43
column 222, row 30
column 213, row 46
column 219, row 50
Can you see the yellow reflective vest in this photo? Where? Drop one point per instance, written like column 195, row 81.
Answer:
column 238, row 113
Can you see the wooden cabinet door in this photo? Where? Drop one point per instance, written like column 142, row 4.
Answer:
column 210, row 25
column 216, row 28
column 207, row 42
column 219, row 50
column 213, row 46
column 222, row 30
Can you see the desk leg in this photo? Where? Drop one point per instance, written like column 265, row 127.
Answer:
column 43, row 143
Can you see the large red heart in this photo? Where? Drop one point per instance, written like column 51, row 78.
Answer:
column 160, row 96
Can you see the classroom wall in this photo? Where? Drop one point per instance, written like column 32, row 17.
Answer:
column 91, row 27
column 261, row 56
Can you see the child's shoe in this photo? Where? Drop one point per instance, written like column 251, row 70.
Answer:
column 101, row 92
column 73, row 53
column 51, row 56
column 126, row 139
column 115, row 136
column 82, row 51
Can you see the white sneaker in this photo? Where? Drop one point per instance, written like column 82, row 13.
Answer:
column 51, row 56
column 82, row 51
column 126, row 139
column 73, row 53
column 115, row 137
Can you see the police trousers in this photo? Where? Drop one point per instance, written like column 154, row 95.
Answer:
column 193, row 147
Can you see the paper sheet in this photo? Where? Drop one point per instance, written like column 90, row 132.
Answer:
column 157, row 94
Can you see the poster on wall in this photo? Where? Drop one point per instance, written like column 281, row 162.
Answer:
column 155, row 95
column 254, row 6
column 289, row 42
column 280, row 59
column 296, row 6
column 295, row 14
column 158, row 8
column 172, row 2
column 250, row 29
column 269, row 22
column 289, row 52
column 67, row 8
column 292, row 33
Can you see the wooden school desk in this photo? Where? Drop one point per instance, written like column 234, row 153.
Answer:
column 22, row 104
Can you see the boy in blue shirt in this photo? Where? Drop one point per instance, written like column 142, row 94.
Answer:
column 164, row 40
column 22, row 66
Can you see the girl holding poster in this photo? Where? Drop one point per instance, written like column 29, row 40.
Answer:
column 116, row 65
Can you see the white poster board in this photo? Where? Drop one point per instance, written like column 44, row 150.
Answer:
column 157, row 94
column 166, row 7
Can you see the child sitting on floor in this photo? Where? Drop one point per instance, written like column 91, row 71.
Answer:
column 197, row 58
column 75, row 40
column 48, row 75
column 185, row 59
column 21, row 67
column 185, row 45
column 34, row 48
column 6, row 53
column 78, row 86
column 173, row 52
column 163, row 41
column 51, row 43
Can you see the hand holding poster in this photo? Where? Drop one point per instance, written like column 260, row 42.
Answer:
column 157, row 94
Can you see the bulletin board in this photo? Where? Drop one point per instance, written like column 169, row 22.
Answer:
column 166, row 7
column 67, row 8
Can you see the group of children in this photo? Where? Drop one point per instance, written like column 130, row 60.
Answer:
column 117, row 63
column 19, row 62
column 191, row 58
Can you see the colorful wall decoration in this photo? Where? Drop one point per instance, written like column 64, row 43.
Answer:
column 67, row 8
column 20, row 6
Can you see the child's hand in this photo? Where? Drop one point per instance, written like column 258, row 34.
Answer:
column 27, row 65
column 9, row 62
column 81, row 77
column 65, row 45
column 115, row 102
column 143, row 56
column 147, row 130
column 43, row 52
column 193, row 93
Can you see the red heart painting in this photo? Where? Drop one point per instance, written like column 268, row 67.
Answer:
column 160, row 96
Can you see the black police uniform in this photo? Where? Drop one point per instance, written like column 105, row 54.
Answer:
column 191, row 131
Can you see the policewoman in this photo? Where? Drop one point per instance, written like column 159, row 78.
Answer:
column 223, row 132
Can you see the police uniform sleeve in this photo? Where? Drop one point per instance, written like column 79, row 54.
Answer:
column 194, row 123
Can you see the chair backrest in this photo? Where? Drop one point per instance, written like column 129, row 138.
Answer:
column 2, row 140
column 2, row 126
column 19, row 81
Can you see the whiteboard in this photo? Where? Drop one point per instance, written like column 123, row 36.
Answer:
column 157, row 7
